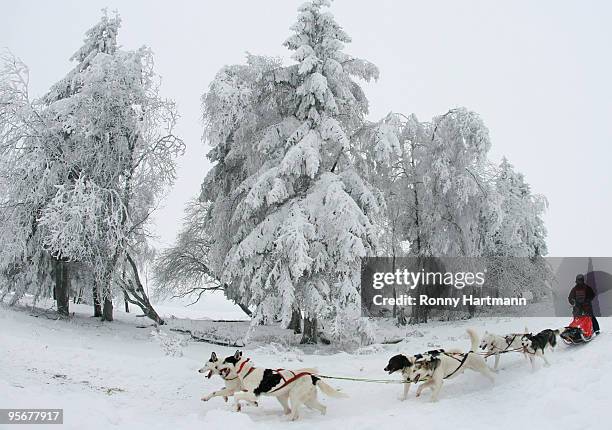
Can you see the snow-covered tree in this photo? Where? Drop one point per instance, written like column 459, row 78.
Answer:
column 522, row 232
column 289, row 214
column 303, row 186
column 185, row 269
column 305, row 218
column 444, row 198
column 516, row 241
column 436, row 183
column 28, row 145
column 455, row 158
column 110, row 147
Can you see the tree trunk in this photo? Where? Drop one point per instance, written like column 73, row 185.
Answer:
column 419, row 315
column 394, row 289
column 296, row 321
column 310, row 335
column 401, row 317
column 125, row 294
column 419, row 312
column 96, row 300
column 107, row 288
column 62, row 288
column 137, row 295
column 245, row 309
column 471, row 308
column 78, row 297
column 107, row 310
column 417, row 218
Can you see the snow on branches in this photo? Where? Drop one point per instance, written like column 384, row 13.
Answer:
column 303, row 186
column 299, row 212
column 94, row 154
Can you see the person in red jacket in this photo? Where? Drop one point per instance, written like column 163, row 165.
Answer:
column 581, row 297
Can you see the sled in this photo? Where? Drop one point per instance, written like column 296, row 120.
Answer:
column 580, row 330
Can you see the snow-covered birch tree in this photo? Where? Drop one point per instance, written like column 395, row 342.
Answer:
column 456, row 158
column 112, row 153
column 516, row 241
column 27, row 177
column 444, row 198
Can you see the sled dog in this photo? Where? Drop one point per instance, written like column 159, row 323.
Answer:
column 534, row 345
column 291, row 387
column 404, row 363
column 232, row 382
column 494, row 344
column 448, row 365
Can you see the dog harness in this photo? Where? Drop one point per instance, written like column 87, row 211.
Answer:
column 242, row 366
column 294, row 377
column 286, row 382
column 509, row 342
column 461, row 362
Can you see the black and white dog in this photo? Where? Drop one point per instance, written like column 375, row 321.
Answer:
column 534, row 345
column 404, row 363
column 290, row 387
column 494, row 344
column 448, row 365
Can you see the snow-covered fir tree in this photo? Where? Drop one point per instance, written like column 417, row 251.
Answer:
column 299, row 212
column 305, row 220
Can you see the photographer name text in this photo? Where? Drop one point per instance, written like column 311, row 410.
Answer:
column 465, row 300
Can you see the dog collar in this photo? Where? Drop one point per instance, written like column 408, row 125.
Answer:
column 230, row 379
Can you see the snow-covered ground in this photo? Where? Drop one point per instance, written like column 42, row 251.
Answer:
column 119, row 375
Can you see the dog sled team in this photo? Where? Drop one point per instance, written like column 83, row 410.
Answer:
column 296, row 388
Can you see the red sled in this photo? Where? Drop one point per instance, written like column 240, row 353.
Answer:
column 580, row 330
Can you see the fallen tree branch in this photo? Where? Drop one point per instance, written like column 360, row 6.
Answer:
column 205, row 340
column 391, row 341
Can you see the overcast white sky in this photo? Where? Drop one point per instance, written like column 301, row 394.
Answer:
column 539, row 73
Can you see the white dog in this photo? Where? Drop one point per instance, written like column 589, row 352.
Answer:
column 231, row 379
column 448, row 365
column 494, row 344
column 295, row 388
column 232, row 382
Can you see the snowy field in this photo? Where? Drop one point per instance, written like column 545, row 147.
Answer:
column 119, row 375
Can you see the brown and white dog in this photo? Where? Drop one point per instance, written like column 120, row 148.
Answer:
column 434, row 370
column 291, row 387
